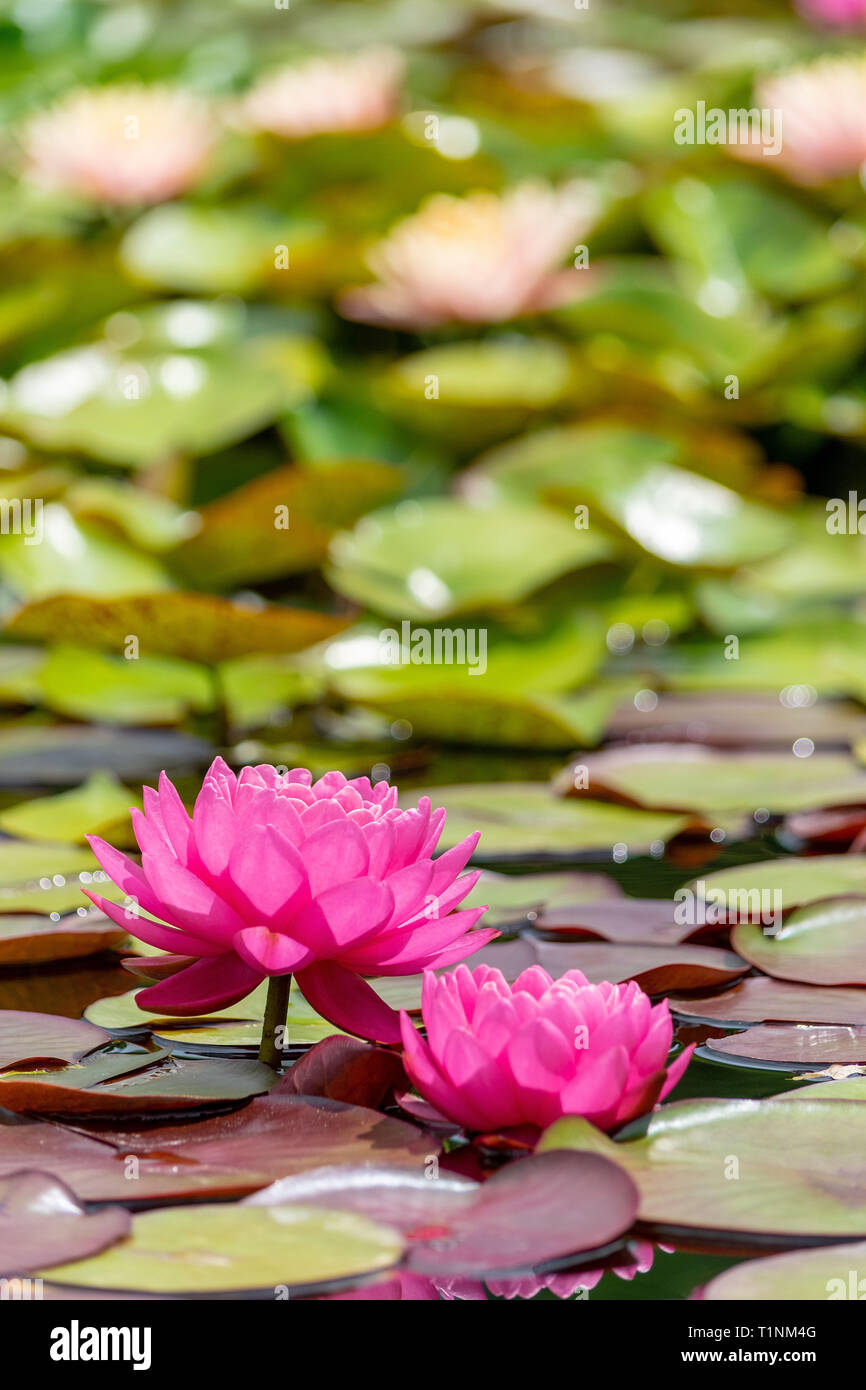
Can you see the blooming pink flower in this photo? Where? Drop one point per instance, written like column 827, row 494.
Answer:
column 274, row 874
column 359, row 91
column 500, row 1055
column 481, row 259
column 820, row 111
column 842, row 13
column 125, row 145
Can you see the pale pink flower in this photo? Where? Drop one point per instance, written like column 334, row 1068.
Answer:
column 500, row 1056
column 124, row 145
column 350, row 92
column 274, row 875
column 820, row 110
column 485, row 258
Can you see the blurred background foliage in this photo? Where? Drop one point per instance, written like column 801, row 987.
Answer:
column 257, row 394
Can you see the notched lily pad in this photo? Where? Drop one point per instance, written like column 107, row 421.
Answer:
column 792, row 1186
column 797, row 1048
column 760, row 999
column 823, row 943
column 30, row 1037
column 539, row 1211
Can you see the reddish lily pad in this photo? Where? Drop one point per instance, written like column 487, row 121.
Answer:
column 26, row 1037
column 759, row 999
column 220, row 1156
column 657, row 969
column 684, row 777
column 43, row 1223
column 626, row 921
column 738, row 720
column 830, row 1272
column 512, row 899
column 745, row 1171
column 539, row 1211
column 823, row 943
column 345, row 1069
column 805, row 1047
column 28, row 939
column 827, row 828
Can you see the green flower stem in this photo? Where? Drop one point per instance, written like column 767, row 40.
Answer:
column 276, row 1011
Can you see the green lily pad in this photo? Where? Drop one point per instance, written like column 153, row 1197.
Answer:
column 524, row 821
column 852, row 1088
column 742, row 234
column 102, row 565
column 785, row 883
column 478, row 391
column 512, row 899
column 239, row 1026
column 738, row 720
column 22, row 863
column 95, row 808
column 115, row 690
column 147, row 519
column 683, row 777
column 222, row 1249
column 137, row 411
column 195, row 627
column 821, row 944
column 789, row 1185
column 207, row 250
column 831, row 1272
column 438, row 557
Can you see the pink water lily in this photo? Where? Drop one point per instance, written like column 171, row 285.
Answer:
column 274, row 874
column 499, row 1055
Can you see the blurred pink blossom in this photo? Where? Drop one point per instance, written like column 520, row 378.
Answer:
column 821, row 111
column 350, row 92
column 125, row 145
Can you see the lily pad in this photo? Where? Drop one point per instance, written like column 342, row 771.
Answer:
column 821, row 944
column 346, row 1069
column 831, row 1272
column 540, row 1211
column 61, row 756
column 738, row 720
column 127, row 1083
column 797, row 1048
column 221, row 1249
column 103, row 565
column 27, row 1037
column 681, row 777
column 43, row 1223
column 513, row 899
column 438, row 557
column 112, row 689
column 137, row 411
column 523, row 822
column 281, row 523
column 196, row 627
column 31, row 940
column 759, row 999
column 786, row 883
column 220, row 1156
column 791, row 1185
column 622, row 920
column 658, row 969
column 236, row 1027
column 96, row 808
